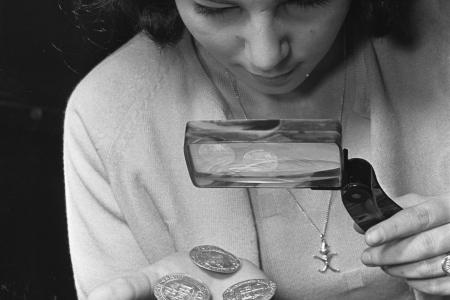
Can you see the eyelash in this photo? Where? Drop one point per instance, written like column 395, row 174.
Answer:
column 210, row 11
column 216, row 11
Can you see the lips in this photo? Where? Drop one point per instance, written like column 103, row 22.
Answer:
column 272, row 79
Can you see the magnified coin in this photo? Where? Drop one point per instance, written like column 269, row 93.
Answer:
column 214, row 259
column 253, row 289
column 180, row 287
column 260, row 160
column 216, row 153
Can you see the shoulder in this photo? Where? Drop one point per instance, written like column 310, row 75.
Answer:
column 121, row 84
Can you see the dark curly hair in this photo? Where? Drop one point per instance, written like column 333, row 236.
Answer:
column 161, row 21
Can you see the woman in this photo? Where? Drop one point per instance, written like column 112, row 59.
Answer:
column 133, row 212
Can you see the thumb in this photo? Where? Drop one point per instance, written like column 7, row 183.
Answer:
column 130, row 287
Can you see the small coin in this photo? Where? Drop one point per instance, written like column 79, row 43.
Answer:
column 253, row 289
column 180, row 287
column 214, row 259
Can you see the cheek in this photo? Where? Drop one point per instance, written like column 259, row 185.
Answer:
column 313, row 40
column 220, row 44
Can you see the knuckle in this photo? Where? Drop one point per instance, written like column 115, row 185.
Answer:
column 421, row 216
column 394, row 230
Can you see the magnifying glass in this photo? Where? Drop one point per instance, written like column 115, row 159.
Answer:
column 286, row 153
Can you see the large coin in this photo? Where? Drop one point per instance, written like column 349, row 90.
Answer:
column 180, row 287
column 215, row 259
column 253, row 289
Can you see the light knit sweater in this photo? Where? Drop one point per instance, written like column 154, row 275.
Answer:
column 130, row 201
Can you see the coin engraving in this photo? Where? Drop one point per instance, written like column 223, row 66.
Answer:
column 180, row 287
column 253, row 289
column 214, row 259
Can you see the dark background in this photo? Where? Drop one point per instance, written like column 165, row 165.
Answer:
column 45, row 49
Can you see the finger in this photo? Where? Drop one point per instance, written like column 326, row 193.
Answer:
column 435, row 286
column 430, row 214
column 131, row 287
column 421, row 246
column 428, row 268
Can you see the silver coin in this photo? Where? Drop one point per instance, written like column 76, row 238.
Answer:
column 253, row 289
column 215, row 259
column 180, row 287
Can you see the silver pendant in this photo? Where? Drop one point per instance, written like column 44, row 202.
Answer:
column 325, row 257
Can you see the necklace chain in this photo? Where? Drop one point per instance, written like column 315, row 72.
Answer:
column 327, row 215
column 237, row 94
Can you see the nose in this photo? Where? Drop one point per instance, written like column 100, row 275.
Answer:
column 265, row 46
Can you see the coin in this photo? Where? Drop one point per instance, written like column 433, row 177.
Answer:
column 180, row 287
column 216, row 153
column 214, row 259
column 253, row 289
column 260, row 160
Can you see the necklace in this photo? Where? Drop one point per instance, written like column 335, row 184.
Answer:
column 325, row 254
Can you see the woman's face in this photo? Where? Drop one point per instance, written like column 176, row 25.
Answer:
column 270, row 45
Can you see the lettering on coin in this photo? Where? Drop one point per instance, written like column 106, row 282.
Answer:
column 180, row 287
column 253, row 289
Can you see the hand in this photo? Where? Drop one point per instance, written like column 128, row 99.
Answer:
column 139, row 284
column 412, row 243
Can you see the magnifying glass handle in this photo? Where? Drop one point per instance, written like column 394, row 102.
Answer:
column 363, row 196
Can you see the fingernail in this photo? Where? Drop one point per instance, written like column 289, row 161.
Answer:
column 373, row 236
column 366, row 258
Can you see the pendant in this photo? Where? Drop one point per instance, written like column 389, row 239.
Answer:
column 325, row 257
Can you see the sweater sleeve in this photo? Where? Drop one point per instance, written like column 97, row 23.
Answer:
column 101, row 243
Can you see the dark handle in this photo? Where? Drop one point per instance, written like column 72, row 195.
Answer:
column 362, row 195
